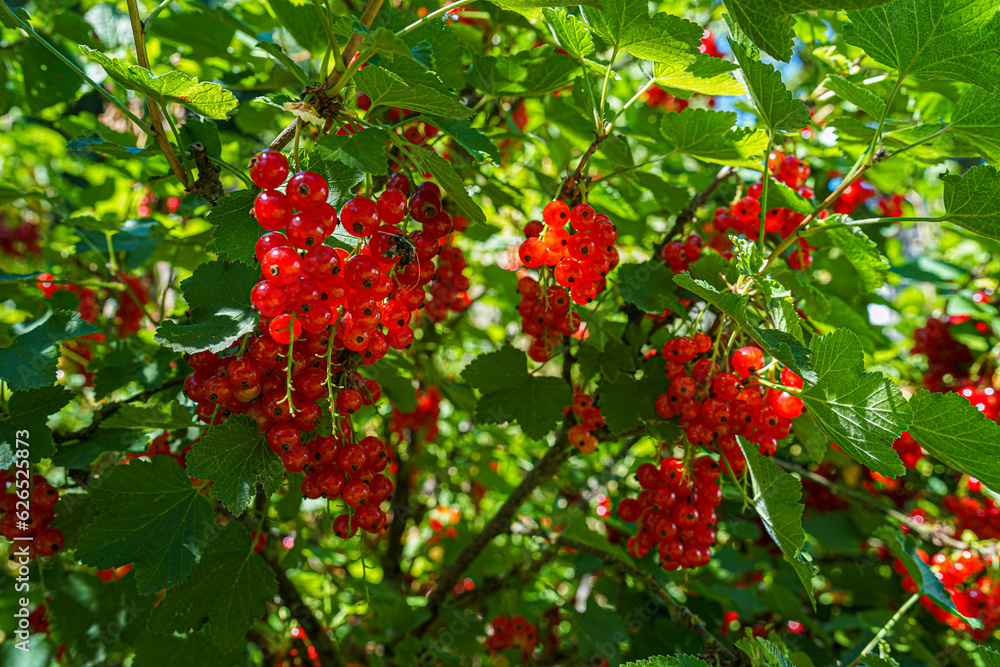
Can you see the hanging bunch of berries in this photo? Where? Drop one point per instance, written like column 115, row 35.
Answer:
column 589, row 418
column 572, row 266
column 29, row 517
column 514, row 632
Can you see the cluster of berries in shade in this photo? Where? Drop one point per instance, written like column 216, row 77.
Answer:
column 149, row 203
column 716, row 406
column 974, row 594
column 423, row 421
column 674, row 512
column 29, row 513
column 743, row 216
column 589, row 417
column 131, row 301
column 572, row 266
column 19, row 241
column 512, row 632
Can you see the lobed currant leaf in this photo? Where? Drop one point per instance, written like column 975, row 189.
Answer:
column 450, row 182
column 773, row 102
column 706, row 75
column 972, row 200
column 364, row 150
column 710, row 136
column 283, row 61
column 385, row 88
column 976, row 118
column 857, row 95
column 30, row 360
column 625, row 25
column 29, row 411
column 571, row 33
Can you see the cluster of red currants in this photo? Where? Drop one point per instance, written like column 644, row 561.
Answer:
column 715, row 406
column 576, row 260
column 512, row 632
column 589, row 416
column 854, row 196
column 20, row 241
column 743, row 216
column 25, row 513
column 909, row 450
column 422, row 421
column 679, row 255
column 674, row 512
column 149, row 203
column 973, row 595
column 447, row 292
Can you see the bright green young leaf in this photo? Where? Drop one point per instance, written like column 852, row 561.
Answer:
column 221, row 312
column 445, row 175
column 234, row 456
column 168, row 416
column 627, row 26
column 774, row 103
column 776, row 496
column 205, row 98
column 764, row 652
column 284, row 61
column 228, row 590
column 650, row 286
column 152, row 516
column 947, row 39
column 780, row 345
column 904, row 548
column 386, row 88
column 571, row 33
column 862, row 253
column 712, row 136
column 780, row 195
column 972, row 200
column 30, row 359
column 29, row 411
column 531, row 9
column 706, row 75
column 977, row 118
column 859, row 96
column 364, row 150
column 861, row 412
column 668, row 661
column 236, row 230
column 955, row 432
column 511, row 394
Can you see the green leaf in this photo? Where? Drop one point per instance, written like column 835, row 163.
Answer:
column 972, row 200
column 284, row 61
column 304, row 25
column 95, row 144
column 627, row 402
column 154, row 650
column 773, row 102
column 668, row 661
column 955, row 432
column 29, row 411
column 610, row 362
column 341, row 178
column 531, row 9
column 152, row 516
column 948, row 39
column 236, row 231
column 388, row 89
column 480, row 146
column 990, row 657
column 650, row 286
column 30, row 360
column 861, row 412
column 780, row 345
column 364, row 150
column 776, row 496
column 764, row 652
column 706, row 75
column 859, row 96
column 711, row 136
column 204, row 98
column 219, row 296
column 510, row 393
column 445, row 175
column 168, row 416
column 780, row 195
column 228, row 590
column 904, row 548
column 571, row 33
column 862, row 253
column 234, row 456
column 626, row 26
column 977, row 118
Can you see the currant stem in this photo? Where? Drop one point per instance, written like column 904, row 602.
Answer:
column 886, row 628
column 763, row 189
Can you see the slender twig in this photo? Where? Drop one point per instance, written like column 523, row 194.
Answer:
column 763, row 189
column 156, row 120
column 688, row 213
column 886, row 628
column 401, row 512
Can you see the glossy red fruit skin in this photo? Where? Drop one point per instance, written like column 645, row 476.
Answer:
column 356, row 493
column 268, row 169
column 343, row 528
column 747, row 361
column 398, row 182
column 268, row 241
column 391, row 205
column 268, row 298
column 48, row 541
column 305, row 231
column 307, row 190
column 272, row 210
column 556, row 214
column 282, row 266
column 424, row 205
column 360, row 217
column 283, row 327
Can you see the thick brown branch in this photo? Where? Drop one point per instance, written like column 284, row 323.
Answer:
column 156, row 120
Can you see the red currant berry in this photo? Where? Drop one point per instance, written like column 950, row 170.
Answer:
column 268, row 169
column 307, row 190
